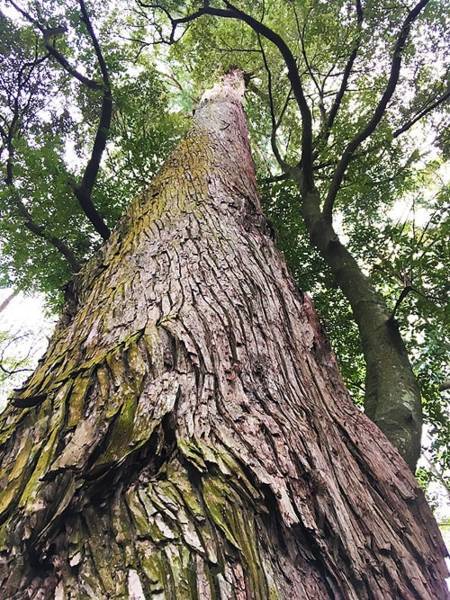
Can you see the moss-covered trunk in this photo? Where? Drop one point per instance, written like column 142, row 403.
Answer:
column 187, row 434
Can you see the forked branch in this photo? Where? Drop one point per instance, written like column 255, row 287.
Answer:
column 378, row 114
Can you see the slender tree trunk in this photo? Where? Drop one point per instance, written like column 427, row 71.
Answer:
column 8, row 299
column 392, row 396
column 187, row 434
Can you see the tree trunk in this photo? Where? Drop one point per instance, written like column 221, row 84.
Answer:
column 8, row 299
column 187, row 434
column 392, row 395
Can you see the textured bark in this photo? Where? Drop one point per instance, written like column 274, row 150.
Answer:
column 187, row 434
column 392, row 395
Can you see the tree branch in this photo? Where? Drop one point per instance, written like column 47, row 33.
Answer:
column 440, row 100
column 445, row 385
column 405, row 291
column 35, row 228
column 8, row 299
column 372, row 124
column 347, row 70
column 49, row 45
column 301, row 35
column 14, row 371
column 83, row 191
column 275, row 123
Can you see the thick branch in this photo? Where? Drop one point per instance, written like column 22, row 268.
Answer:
column 392, row 398
column 89, row 83
column 83, row 191
column 372, row 124
column 275, row 123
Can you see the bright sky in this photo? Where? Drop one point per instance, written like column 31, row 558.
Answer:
column 25, row 323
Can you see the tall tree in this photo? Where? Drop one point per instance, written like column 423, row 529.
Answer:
column 187, row 434
column 392, row 394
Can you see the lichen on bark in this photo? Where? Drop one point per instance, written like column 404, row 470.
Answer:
column 187, row 434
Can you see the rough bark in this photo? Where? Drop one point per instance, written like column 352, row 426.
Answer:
column 392, row 395
column 187, row 434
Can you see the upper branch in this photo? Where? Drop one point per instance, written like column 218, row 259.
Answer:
column 301, row 34
column 50, row 47
column 275, row 122
column 83, row 191
column 422, row 113
column 8, row 299
column 347, row 70
column 380, row 109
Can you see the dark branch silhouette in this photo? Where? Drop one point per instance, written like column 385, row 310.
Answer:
column 275, row 122
column 49, row 43
column 83, row 190
column 380, row 109
column 422, row 113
